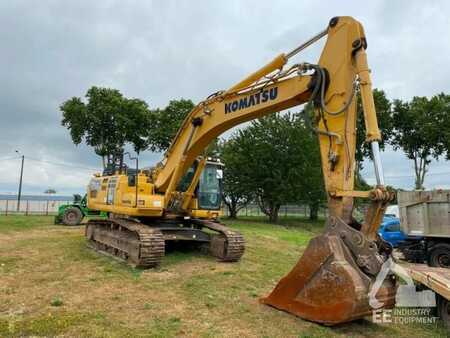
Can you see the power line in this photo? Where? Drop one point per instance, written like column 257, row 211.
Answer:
column 9, row 158
column 50, row 162
column 70, row 165
column 413, row 176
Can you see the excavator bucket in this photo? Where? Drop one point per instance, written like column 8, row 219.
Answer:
column 333, row 280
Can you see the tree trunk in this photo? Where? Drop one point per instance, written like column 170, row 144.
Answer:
column 417, row 171
column 420, row 169
column 232, row 213
column 314, row 211
column 269, row 208
column 232, row 207
column 273, row 213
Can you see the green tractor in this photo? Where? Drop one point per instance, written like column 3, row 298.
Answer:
column 73, row 213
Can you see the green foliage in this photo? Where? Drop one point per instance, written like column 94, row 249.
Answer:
column 419, row 127
column 214, row 148
column 277, row 161
column 360, row 182
column 235, row 194
column 107, row 121
column 421, row 130
column 166, row 122
column 56, row 302
column 50, row 191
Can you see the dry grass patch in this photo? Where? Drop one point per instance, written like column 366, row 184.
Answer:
column 52, row 284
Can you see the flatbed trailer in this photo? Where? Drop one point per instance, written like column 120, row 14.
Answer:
column 437, row 280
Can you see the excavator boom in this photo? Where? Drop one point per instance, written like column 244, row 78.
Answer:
column 331, row 83
column 333, row 280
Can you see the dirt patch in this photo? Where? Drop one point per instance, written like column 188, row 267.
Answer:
column 52, row 284
column 35, row 234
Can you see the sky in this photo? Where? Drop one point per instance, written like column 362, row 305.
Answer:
column 158, row 51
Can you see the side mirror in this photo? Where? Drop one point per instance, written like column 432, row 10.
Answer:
column 219, row 174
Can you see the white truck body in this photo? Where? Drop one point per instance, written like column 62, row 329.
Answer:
column 425, row 213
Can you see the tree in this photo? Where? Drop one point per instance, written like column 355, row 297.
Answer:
column 312, row 186
column 214, row 148
column 107, row 121
column 420, row 130
column 235, row 194
column 50, row 191
column 166, row 122
column 383, row 108
column 279, row 163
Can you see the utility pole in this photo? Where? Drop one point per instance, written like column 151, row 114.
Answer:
column 20, row 183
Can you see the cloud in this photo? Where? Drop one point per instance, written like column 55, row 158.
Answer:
column 159, row 51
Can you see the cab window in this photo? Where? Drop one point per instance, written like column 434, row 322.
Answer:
column 185, row 182
column 393, row 227
column 209, row 189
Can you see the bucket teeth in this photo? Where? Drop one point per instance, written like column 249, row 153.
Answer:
column 327, row 285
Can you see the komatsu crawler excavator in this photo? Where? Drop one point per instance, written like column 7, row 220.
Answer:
column 180, row 197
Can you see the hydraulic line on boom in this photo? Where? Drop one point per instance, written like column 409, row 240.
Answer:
column 179, row 197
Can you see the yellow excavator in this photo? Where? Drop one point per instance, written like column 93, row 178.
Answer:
column 179, row 198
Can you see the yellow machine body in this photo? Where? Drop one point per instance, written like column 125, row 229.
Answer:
column 332, row 281
column 113, row 194
column 123, row 201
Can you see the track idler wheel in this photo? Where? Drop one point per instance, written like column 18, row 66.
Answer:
column 227, row 248
column 328, row 285
column 226, row 245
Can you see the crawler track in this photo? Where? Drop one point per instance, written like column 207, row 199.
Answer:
column 143, row 245
column 127, row 240
column 235, row 247
column 228, row 245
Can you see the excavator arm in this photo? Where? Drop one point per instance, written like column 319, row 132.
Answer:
column 329, row 86
column 334, row 280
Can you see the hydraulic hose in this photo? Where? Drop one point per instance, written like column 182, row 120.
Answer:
column 322, row 95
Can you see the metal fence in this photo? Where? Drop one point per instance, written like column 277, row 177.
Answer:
column 298, row 210
column 50, row 207
column 30, row 207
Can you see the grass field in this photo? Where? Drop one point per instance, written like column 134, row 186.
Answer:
column 51, row 284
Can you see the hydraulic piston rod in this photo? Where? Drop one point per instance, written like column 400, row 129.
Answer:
column 307, row 44
column 276, row 63
column 377, row 163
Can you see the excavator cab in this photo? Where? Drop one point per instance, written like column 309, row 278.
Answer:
column 209, row 188
column 209, row 191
